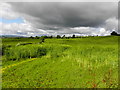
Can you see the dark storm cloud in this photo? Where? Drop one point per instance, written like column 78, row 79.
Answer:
column 66, row 15
column 119, row 16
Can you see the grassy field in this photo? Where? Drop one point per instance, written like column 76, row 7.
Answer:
column 90, row 62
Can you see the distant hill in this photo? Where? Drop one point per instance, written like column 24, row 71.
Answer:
column 10, row 36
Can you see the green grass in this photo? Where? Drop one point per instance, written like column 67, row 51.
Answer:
column 90, row 62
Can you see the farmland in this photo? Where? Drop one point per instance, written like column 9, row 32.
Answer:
column 89, row 62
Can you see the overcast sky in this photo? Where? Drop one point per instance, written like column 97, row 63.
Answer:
column 63, row 18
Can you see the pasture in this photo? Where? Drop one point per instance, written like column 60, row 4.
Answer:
column 89, row 62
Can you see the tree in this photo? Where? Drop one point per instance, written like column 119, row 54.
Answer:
column 31, row 37
column 37, row 37
column 45, row 36
column 58, row 36
column 73, row 36
column 51, row 36
column 114, row 33
column 63, row 36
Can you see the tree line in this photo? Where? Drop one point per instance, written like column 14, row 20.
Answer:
column 58, row 36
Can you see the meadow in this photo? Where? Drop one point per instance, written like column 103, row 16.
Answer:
column 86, row 62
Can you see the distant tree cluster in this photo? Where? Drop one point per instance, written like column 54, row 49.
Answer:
column 58, row 36
column 115, row 33
column 38, row 37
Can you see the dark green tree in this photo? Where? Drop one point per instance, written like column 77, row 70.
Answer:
column 58, row 36
column 114, row 33
column 31, row 37
column 63, row 36
column 51, row 36
column 37, row 37
column 73, row 36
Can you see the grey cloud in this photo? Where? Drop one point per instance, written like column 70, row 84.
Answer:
column 119, row 16
column 67, row 15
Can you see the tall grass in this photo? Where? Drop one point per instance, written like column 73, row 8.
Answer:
column 90, row 62
column 24, row 52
